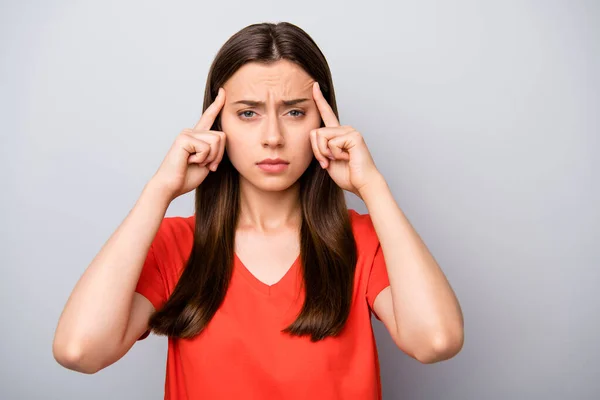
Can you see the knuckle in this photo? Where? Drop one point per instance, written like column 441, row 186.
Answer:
column 183, row 138
column 199, row 145
column 199, row 135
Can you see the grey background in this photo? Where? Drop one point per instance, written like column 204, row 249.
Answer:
column 482, row 116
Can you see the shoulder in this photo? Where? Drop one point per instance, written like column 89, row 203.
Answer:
column 178, row 224
column 362, row 226
column 174, row 232
column 364, row 231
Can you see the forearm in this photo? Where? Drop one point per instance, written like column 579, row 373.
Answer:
column 96, row 314
column 428, row 315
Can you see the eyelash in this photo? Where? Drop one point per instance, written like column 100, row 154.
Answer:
column 250, row 111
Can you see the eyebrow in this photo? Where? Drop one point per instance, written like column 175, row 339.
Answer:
column 254, row 103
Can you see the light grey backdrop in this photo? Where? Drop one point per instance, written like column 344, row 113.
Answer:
column 482, row 116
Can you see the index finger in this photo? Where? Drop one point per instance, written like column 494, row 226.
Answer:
column 325, row 109
column 210, row 114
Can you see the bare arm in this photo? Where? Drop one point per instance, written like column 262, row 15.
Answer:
column 104, row 316
column 420, row 308
column 92, row 331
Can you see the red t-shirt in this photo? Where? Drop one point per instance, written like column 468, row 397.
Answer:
column 242, row 354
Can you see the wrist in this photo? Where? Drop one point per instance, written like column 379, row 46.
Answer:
column 157, row 193
column 374, row 184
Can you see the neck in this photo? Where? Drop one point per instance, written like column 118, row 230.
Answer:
column 269, row 211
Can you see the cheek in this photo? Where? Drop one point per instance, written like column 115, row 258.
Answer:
column 228, row 121
column 306, row 145
column 233, row 130
column 302, row 147
column 235, row 150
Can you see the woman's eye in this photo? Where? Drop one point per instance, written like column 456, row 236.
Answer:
column 297, row 111
column 244, row 113
column 249, row 114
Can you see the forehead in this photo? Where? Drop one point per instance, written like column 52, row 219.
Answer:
column 282, row 79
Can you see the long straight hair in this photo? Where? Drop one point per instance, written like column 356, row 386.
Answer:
column 327, row 245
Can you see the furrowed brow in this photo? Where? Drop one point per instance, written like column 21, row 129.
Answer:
column 254, row 103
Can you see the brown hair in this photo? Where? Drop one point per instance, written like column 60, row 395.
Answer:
column 327, row 246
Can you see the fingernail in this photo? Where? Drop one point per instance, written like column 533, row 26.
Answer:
column 322, row 164
column 213, row 167
column 318, row 87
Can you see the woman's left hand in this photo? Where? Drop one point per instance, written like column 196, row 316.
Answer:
column 341, row 150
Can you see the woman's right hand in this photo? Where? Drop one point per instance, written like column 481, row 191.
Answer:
column 193, row 155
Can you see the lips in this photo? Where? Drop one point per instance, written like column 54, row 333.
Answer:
column 273, row 165
column 273, row 161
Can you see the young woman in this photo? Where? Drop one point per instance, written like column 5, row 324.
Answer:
column 266, row 292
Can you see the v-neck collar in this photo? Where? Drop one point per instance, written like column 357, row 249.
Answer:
column 280, row 286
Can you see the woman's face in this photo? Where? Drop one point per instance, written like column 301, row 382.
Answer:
column 259, row 125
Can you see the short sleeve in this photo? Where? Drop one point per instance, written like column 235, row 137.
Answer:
column 378, row 278
column 151, row 283
column 166, row 259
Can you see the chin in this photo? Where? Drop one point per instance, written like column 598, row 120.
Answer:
column 271, row 182
column 274, row 186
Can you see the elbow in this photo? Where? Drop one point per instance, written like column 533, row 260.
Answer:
column 442, row 347
column 73, row 357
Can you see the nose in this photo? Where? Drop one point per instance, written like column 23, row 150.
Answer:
column 272, row 135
